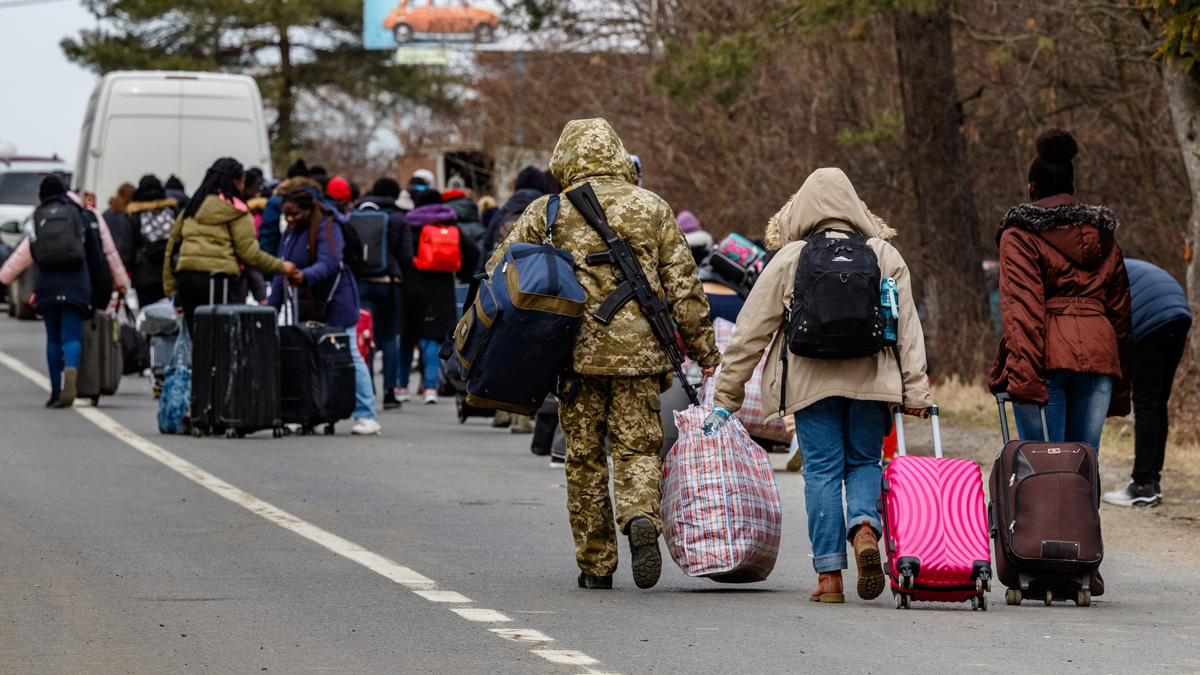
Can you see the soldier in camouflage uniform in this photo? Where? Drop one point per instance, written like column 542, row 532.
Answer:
column 622, row 366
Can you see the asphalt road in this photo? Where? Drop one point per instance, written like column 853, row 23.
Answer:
column 113, row 562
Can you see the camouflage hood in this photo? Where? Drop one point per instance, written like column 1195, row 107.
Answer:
column 590, row 149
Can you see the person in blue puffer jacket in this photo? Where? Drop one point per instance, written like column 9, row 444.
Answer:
column 327, row 290
column 1161, row 320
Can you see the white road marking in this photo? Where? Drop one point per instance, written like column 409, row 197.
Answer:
column 567, row 657
column 420, row 585
column 521, row 634
column 481, row 615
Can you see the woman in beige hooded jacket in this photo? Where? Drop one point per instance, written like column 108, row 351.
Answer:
column 840, row 406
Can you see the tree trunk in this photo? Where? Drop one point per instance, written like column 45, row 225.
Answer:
column 286, row 106
column 948, row 275
column 1183, row 98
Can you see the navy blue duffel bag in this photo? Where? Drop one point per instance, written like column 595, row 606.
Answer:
column 514, row 339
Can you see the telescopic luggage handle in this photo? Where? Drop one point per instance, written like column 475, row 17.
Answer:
column 932, row 414
column 1003, row 398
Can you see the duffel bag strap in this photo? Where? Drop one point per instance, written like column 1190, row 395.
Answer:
column 551, row 216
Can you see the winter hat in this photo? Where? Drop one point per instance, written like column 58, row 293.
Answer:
column 149, row 189
column 173, row 183
column 298, row 168
column 531, row 178
column 317, row 170
column 339, row 189
column 426, row 176
column 50, row 187
column 426, row 197
column 688, row 222
column 1051, row 171
column 453, row 194
column 456, row 182
column 405, row 201
column 386, row 187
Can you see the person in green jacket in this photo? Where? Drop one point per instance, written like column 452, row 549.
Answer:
column 212, row 240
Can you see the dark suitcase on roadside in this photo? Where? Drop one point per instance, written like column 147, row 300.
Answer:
column 100, row 361
column 1045, row 518
column 235, row 370
column 317, row 375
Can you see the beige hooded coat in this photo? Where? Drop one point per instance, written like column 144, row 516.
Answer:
column 826, row 201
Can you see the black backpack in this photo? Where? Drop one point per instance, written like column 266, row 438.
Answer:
column 58, row 244
column 371, row 226
column 835, row 312
column 352, row 254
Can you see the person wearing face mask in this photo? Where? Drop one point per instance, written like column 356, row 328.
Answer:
column 211, row 240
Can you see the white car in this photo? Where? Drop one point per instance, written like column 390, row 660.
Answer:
column 20, row 178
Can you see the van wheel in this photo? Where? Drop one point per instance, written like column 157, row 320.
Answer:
column 403, row 33
column 484, row 33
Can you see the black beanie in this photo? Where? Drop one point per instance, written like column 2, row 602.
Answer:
column 531, row 178
column 50, row 187
column 149, row 189
column 173, row 183
column 426, row 197
column 386, row 187
column 298, row 168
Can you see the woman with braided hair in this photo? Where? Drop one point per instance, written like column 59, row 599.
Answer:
column 212, row 240
column 326, row 290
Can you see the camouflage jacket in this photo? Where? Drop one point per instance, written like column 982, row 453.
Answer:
column 589, row 150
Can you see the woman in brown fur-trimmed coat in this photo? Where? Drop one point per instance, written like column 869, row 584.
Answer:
column 151, row 216
column 1064, row 294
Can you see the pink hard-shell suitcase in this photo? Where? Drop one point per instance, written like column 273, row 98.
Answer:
column 935, row 527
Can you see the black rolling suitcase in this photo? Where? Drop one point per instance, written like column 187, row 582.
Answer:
column 1045, row 518
column 235, row 370
column 100, row 360
column 317, row 373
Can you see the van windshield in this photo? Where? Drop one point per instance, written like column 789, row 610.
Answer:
column 21, row 187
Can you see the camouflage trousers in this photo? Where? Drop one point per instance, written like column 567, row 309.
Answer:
column 625, row 411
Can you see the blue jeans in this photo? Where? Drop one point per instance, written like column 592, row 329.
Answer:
column 841, row 440
column 64, row 341
column 429, row 356
column 384, row 302
column 364, row 384
column 1078, row 403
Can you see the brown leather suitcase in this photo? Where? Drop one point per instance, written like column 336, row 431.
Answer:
column 1045, row 517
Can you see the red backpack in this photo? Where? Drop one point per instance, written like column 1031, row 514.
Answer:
column 438, row 249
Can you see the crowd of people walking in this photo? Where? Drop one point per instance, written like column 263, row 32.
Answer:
column 1086, row 334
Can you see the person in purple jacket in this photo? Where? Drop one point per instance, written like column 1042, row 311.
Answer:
column 326, row 289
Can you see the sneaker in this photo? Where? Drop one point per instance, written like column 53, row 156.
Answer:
column 402, row 395
column 1134, row 495
column 557, row 462
column 367, row 427
column 430, row 397
column 390, row 402
column 829, row 588
column 643, row 545
column 596, row 582
column 67, row 396
column 870, row 571
column 502, row 419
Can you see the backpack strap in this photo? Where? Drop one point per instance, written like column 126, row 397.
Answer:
column 551, row 215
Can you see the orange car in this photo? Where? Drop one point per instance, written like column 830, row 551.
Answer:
column 442, row 17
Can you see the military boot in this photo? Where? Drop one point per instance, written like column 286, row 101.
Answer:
column 593, row 581
column 643, row 544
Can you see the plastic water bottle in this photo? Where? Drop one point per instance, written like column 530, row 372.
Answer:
column 891, row 311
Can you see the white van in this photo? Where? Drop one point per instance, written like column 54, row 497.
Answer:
column 168, row 122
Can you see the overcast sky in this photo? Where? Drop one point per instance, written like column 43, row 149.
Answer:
column 44, row 95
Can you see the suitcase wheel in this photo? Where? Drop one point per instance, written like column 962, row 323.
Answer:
column 1012, row 596
column 1049, row 598
column 197, row 432
column 1083, row 599
column 277, row 432
column 979, row 602
column 329, row 430
column 903, row 600
column 95, row 401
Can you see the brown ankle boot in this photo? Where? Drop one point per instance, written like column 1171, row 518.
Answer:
column 829, row 588
column 870, row 571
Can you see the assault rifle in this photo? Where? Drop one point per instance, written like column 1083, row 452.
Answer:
column 633, row 283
